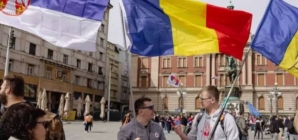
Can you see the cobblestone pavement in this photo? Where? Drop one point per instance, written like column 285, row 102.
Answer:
column 108, row 131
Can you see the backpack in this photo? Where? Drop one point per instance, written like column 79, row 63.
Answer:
column 55, row 127
column 89, row 119
column 258, row 125
column 221, row 122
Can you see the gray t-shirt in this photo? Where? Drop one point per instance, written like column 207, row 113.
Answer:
column 134, row 129
column 202, row 130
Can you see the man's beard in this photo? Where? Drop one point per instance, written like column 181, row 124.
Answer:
column 3, row 98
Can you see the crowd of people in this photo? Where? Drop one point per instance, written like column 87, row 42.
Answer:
column 148, row 125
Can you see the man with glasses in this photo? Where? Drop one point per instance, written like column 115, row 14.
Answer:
column 204, row 123
column 142, row 127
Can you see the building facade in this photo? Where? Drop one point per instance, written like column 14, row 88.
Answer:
column 58, row 70
column 258, row 78
column 116, row 79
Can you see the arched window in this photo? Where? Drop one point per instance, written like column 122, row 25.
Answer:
column 165, row 103
column 261, row 103
column 198, row 103
column 280, row 103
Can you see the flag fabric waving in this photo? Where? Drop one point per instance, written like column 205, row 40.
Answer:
column 65, row 23
column 173, row 81
column 277, row 36
column 184, row 27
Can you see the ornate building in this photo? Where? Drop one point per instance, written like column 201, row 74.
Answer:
column 258, row 78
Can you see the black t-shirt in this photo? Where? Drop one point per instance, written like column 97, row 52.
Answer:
column 3, row 134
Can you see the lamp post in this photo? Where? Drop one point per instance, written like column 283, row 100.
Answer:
column 231, row 107
column 270, row 99
column 181, row 93
column 162, row 96
column 274, row 94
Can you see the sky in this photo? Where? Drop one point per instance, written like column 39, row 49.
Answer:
column 256, row 7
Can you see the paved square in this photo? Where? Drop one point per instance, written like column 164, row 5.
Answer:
column 108, row 131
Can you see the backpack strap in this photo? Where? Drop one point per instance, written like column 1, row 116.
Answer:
column 221, row 121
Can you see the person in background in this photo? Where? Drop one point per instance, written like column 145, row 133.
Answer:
column 240, row 121
column 274, row 128
column 88, row 122
column 11, row 93
column 184, row 123
column 142, row 127
column 293, row 135
column 286, row 132
column 126, row 119
column 281, row 126
column 25, row 122
column 258, row 129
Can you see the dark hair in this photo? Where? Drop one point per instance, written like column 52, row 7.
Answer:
column 16, row 84
column 212, row 91
column 20, row 118
column 140, row 103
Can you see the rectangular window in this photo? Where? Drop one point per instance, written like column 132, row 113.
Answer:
column 32, row 49
column 165, row 81
column 10, row 65
column 50, row 54
column 49, row 74
column 221, row 60
column 222, row 79
column 144, row 81
column 198, row 80
column 65, row 59
column 77, row 80
column 90, row 67
column 30, row 70
column 279, row 79
column 182, row 79
column 78, row 63
column 261, row 80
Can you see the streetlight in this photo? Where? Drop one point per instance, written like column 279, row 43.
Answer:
column 162, row 96
column 274, row 94
column 181, row 93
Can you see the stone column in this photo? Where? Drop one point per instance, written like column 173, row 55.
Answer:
column 213, row 68
column 208, row 72
column 249, row 70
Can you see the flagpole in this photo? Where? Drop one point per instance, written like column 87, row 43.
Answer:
column 9, row 44
column 128, row 64
column 228, row 96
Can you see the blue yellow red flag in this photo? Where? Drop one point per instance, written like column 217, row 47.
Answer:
column 185, row 28
column 277, row 36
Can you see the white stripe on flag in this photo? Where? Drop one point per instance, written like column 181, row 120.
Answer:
column 60, row 29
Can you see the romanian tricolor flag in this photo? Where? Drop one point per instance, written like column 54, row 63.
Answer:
column 185, row 28
column 277, row 36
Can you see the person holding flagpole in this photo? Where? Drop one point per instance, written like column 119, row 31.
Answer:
column 204, row 123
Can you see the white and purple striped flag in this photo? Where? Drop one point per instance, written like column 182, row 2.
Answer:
column 70, row 24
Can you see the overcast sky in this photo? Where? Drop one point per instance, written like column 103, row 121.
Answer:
column 256, row 7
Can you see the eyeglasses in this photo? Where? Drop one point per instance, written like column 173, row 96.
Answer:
column 44, row 123
column 148, row 107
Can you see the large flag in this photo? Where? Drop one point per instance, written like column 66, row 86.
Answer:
column 65, row 23
column 185, row 27
column 277, row 36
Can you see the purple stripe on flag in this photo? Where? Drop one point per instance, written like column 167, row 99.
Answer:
column 90, row 9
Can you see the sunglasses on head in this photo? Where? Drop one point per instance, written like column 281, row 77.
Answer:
column 44, row 123
column 148, row 107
